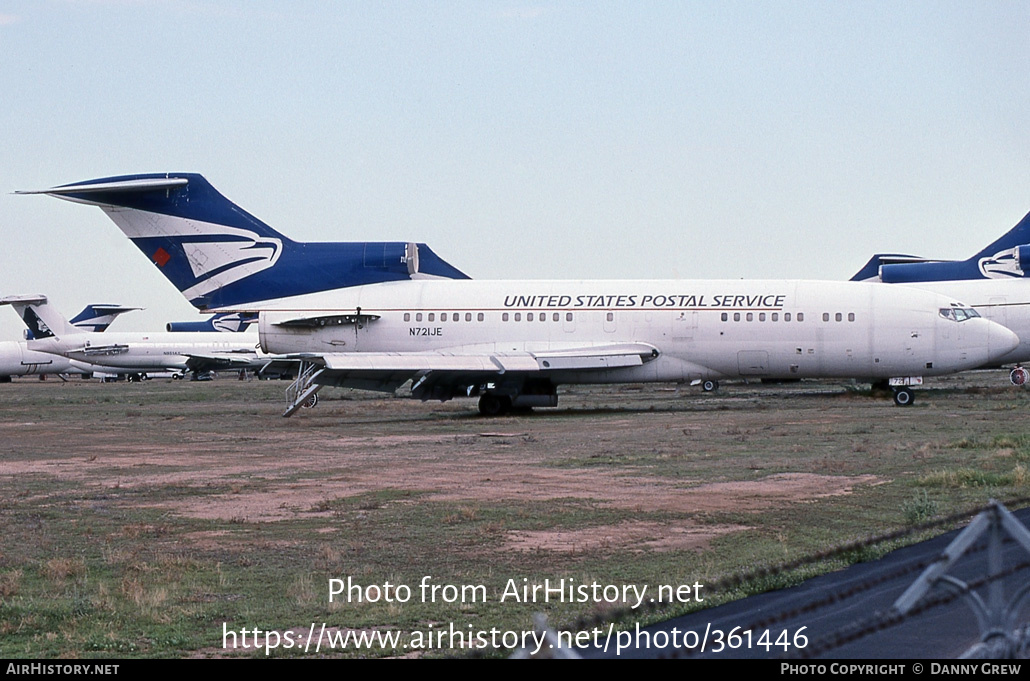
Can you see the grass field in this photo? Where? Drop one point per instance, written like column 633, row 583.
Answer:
column 149, row 520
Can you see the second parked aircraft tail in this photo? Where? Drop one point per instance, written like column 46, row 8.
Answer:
column 1006, row 258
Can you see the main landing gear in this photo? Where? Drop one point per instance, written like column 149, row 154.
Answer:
column 491, row 404
column 499, row 400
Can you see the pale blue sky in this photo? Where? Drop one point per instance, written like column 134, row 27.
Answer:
column 520, row 140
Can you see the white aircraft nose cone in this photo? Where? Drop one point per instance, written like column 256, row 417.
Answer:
column 1000, row 341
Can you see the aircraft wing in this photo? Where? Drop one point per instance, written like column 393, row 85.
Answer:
column 223, row 362
column 432, row 372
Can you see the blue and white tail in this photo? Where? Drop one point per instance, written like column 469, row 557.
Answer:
column 220, row 256
column 231, row 322
column 98, row 317
column 1006, row 258
column 42, row 320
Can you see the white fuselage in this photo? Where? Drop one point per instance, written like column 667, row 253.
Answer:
column 701, row 329
column 17, row 360
column 1005, row 301
column 161, row 351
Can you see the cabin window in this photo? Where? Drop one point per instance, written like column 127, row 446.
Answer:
column 529, row 316
column 725, row 316
column 418, row 316
column 839, row 317
column 504, row 317
column 456, row 317
column 761, row 316
column 468, row 316
column 786, row 316
column 801, row 316
column 611, row 316
column 568, row 316
column 543, row 316
column 736, row 316
column 407, row 316
column 826, row 316
column 851, row 316
column 776, row 316
column 751, row 316
column 556, row 317
column 480, row 317
column 518, row 316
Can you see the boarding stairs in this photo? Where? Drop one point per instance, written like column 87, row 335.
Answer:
column 303, row 392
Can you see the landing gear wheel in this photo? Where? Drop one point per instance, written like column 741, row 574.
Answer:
column 494, row 405
column 1019, row 376
column 311, row 402
column 903, row 397
column 710, row 386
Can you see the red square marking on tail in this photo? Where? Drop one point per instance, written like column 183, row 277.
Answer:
column 161, row 257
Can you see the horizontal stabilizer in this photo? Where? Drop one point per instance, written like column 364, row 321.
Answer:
column 871, row 270
column 141, row 185
column 37, row 299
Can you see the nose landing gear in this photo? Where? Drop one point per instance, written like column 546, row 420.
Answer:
column 904, row 397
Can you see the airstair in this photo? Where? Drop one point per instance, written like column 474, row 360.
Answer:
column 303, row 392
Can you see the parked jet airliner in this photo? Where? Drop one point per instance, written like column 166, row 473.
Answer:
column 133, row 352
column 513, row 342
column 995, row 282
column 17, row 360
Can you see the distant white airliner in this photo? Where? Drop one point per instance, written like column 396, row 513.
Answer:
column 17, row 360
column 512, row 343
column 134, row 352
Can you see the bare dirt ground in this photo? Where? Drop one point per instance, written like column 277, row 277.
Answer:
column 636, row 481
column 362, row 444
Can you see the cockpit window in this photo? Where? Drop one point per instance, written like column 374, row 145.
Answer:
column 959, row 314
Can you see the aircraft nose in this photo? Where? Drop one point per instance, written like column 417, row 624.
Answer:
column 1000, row 341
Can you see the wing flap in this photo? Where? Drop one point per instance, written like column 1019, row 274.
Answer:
column 568, row 359
column 387, row 362
column 224, row 362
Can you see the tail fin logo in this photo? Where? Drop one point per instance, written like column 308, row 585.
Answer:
column 37, row 327
column 207, row 258
column 216, row 255
column 218, row 263
column 232, row 323
column 1002, row 265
